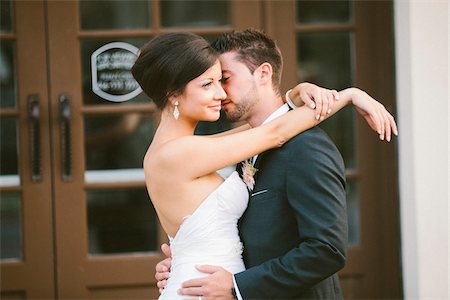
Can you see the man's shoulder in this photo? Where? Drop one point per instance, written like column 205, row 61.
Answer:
column 311, row 137
column 312, row 144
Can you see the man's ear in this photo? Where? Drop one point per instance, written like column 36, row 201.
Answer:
column 264, row 72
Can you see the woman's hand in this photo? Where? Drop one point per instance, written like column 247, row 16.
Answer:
column 318, row 98
column 376, row 115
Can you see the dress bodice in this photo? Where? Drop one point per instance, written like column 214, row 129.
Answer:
column 209, row 236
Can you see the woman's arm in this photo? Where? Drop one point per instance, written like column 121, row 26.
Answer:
column 202, row 155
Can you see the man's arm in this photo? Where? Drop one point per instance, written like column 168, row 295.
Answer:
column 163, row 268
column 315, row 191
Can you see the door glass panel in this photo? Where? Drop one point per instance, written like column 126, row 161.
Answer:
column 121, row 221
column 106, row 67
column 9, row 171
column 323, row 11
column 326, row 59
column 195, row 13
column 114, row 14
column 10, row 225
column 6, row 16
column 117, row 141
column 7, row 74
column 352, row 212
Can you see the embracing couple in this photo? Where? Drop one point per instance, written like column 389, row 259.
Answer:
column 276, row 228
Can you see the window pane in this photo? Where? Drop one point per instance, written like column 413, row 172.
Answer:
column 340, row 128
column 121, row 221
column 353, row 213
column 6, row 16
column 118, row 141
column 326, row 59
column 114, row 14
column 10, row 225
column 106, row 67
column 8, row 147
column 320, row 11
column 7, row 74
column 195, row 13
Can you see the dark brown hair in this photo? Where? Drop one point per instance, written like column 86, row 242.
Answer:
column 169, row 61
column 253, row 48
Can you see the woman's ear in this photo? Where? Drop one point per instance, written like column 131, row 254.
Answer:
column 264, row 72
column 174, row 99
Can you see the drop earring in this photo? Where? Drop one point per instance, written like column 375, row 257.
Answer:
column 176, row 112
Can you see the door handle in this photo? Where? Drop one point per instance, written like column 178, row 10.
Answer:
column 34, row 115
column 66, row 137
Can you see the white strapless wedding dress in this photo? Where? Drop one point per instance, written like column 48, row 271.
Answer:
column 209, row 236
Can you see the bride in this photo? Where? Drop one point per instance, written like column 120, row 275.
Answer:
column 198, row 208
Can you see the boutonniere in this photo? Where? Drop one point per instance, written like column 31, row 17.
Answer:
column 248, row 171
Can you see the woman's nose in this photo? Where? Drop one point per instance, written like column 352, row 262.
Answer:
column 220, row 93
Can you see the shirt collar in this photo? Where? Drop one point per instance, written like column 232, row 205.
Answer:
column 279, row 112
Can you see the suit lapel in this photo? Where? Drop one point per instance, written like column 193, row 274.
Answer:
column 257, row 163
column 239, row 168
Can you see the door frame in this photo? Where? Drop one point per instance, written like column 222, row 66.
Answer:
column 33, row 275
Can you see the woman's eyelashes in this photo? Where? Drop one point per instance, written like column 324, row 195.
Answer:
column 224, row 80
column 207, row 84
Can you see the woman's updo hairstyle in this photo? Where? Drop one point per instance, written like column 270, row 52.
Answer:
column 169, row 61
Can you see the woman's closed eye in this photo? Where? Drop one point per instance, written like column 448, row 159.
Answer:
column 224, row 80
column 207, row 84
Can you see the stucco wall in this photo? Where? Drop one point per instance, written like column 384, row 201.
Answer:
column 422, row 55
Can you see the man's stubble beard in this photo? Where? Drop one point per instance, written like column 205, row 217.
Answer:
column 241, row 110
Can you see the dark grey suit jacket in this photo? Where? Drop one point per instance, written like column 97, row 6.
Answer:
column 295, row 227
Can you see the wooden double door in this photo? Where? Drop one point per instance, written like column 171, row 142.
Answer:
column 76, row 221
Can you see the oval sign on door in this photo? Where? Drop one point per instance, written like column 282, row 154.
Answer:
column 111, row 72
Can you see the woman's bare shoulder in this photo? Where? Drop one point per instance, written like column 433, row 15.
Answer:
column 171, row 155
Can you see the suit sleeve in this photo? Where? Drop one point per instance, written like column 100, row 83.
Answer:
column 315, row 191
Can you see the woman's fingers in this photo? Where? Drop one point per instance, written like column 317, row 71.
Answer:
column 326, row 100
column 335, row 95
column 305, row 98
column 393, row 124
column 382, row 125
column 388, row 128
column 160, row 276
column 317, row 95
column 161, row 284
column 331, row 99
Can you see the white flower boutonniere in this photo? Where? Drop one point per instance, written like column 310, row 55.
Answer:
column 248, row 170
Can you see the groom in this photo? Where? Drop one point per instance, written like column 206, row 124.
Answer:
column 294, row 230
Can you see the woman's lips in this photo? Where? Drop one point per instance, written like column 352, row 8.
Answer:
column 217, row 107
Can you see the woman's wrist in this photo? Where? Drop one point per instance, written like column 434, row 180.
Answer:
column 348, row 95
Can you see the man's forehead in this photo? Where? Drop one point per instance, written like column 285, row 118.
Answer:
column 229, row 62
